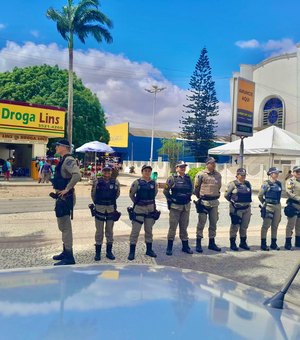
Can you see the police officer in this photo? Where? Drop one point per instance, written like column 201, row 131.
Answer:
column 178, row 191
column 67, row 174
column 142, row 193
column 270, row 195
column 292, row 210
column 207, row 189
column 239, row 194
column 105, row 192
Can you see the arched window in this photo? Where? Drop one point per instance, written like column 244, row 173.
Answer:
column 273, row 113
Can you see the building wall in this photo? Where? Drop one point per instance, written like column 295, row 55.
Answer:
column 275, row 77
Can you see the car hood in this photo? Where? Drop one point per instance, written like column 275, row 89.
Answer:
column 136, row 302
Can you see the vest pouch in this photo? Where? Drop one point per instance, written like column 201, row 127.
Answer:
column 61, row 208
column 131, row 213
column 154, row 214
column 115, row 216
column 200, row 208
column 235, row 219
column 290, row 211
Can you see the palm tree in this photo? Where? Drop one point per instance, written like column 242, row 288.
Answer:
column 79, row 20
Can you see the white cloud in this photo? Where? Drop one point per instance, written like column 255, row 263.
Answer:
column 35, row 33
column 253, row 43
column 2, row 26
column 118, row 82
column 271, row 47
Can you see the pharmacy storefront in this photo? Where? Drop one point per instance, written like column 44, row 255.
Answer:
column 25, row 130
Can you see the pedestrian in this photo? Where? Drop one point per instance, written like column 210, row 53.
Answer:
column 239, row 194
column 105, row 191
column 292, row 210
column 66, row 176
column 207, row 189
column 41, row 163
column 178, row 191
column 6, row 169
column 270, row 195
column 46, row 171
column 142, row 193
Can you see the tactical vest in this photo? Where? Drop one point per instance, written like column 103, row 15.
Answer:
column 210, row 186
column 273, row 194
column 106, row 192
column 243, row 194
column 59, row 182
column 182, row 190
column 146, row 191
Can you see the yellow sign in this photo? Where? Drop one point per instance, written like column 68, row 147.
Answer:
column 31, row 119
column 245, row 107
column 118, row 135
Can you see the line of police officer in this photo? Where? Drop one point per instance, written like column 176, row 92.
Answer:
column 178, row 192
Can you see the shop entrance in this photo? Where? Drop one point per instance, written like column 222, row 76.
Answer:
column 21, row 155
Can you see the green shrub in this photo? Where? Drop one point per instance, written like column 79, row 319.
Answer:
column 193, row 172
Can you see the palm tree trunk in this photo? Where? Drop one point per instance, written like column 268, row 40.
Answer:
column 70, row 98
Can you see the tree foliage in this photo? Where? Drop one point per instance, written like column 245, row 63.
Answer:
column 171, row 148
column 81, row 20
column 200, row 125
column 48, row 85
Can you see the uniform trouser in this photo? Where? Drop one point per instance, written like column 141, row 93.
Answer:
column 273, row 222
column 99, row 235
column 213, row 217
column 65, row 226
column 245, row 215
column 179, row 217
column 148, row 224
column 46, row 177
column 293, row 222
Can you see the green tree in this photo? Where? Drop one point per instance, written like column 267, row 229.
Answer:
column 79, row 20
column 171, row 148
column 48, row 85
column 200, row 125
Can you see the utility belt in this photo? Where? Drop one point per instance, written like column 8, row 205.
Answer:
column 106, row 203
column 133, row 215
column 143, row 203
column 209, row 198
column 113, row 216
column 270, row 201
column 241, row 207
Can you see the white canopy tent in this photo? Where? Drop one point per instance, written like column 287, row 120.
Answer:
column 270, row 141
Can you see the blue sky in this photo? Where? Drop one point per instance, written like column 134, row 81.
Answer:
column 157, row 41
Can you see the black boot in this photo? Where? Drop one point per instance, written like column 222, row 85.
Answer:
column 233, row 245
column 68, row 258
column 288, row 243
column 297, row 241
column 186, row 248
column 109, row 253
column 60, row 256
column 97, row 252
column 212, row 245
column 169, row 250
column 149, row 250
column 131, row 252
column 243, row 244
column 198, row 245
column 263, row 245
column 274, row 245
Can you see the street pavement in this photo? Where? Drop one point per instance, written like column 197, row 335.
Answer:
column 29, row 237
